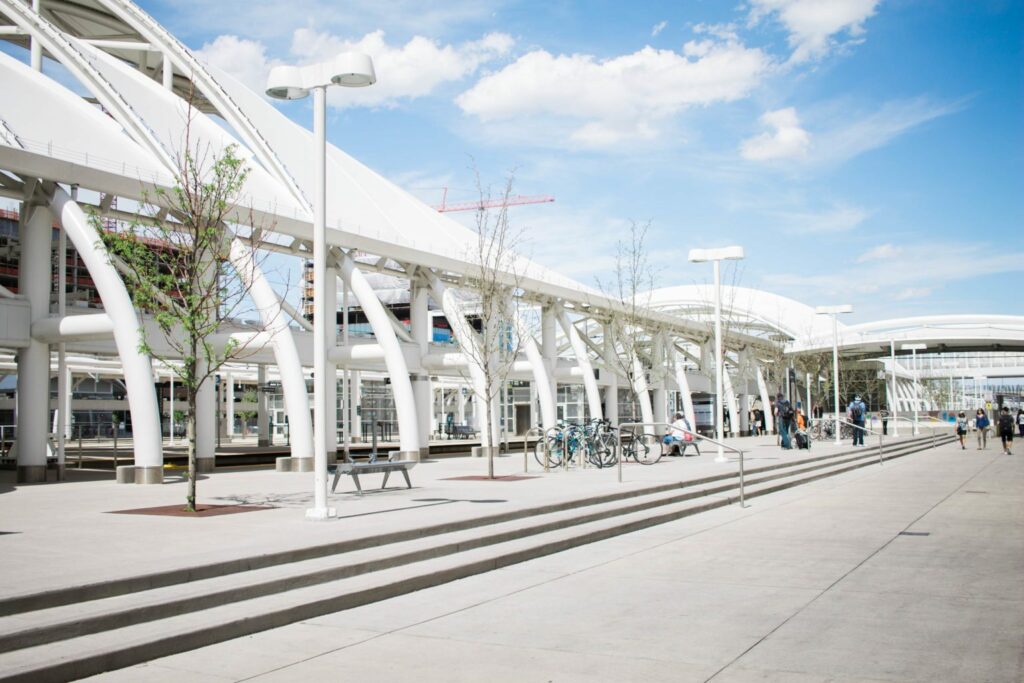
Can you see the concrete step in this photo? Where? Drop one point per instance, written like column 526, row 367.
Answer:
column 125, row 629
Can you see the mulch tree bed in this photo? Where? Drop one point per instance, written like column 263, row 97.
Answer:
column 202, row 510
column 484, row 477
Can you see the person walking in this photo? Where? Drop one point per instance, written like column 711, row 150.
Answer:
column 981, row 424
column 884, row 415
column 1020, row 421
column 961, row 429
column 857, row 411
column 784, row 411
column 1006, row 430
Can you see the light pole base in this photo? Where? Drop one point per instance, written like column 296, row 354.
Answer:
column 321, row 514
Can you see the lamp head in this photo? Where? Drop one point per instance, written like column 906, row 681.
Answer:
column 286, row 83
column 353, row 70
column 721, row 254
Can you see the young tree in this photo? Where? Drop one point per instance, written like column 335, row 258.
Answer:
column 249, row 397
column 179, row 267
column 494, row 280
column 632, row 287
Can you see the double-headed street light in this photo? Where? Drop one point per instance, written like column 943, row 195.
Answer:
column 715, row 256
column 352, row 70
column 914, row 348
column 835, row 311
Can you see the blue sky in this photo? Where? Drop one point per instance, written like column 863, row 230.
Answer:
column 862, row 151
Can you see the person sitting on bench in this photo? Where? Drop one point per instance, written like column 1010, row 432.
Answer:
column 680, row 435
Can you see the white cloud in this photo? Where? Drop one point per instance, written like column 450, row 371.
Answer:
column 408, row 71
column 880, row 253
column 914, row 272
column 608, row 101
column 786, row 140
column 244, row 59
column 658, row 28
column 863, row 132
column 814, row 24
column 835, row 219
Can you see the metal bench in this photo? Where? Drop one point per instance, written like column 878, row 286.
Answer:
column 373, row 466
column 461, row 431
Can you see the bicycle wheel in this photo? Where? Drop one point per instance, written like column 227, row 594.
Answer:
column 555, row 440
column 646, row 453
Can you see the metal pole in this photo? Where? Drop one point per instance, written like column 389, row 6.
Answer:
column 895, row 408
column 880, row 460
column 320, row 322
column 347, row 413
column 63, row 403
column 913, row 354
column 719, row 417
column 743, row 502
column 835, row 372
column 172, row 408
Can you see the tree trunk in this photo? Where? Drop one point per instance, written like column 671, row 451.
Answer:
column 190, row 421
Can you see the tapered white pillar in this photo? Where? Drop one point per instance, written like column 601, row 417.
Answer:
column 206, row 423
column 549, row 349
column 766, row 401
column 730, row 402
column 419, row 319
column 660, row 395
column 33, row 397
column 228, row 392
column 611, row 375
column 262, row 411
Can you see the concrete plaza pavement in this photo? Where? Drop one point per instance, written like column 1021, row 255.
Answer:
column 62, row 535
column 907, row 572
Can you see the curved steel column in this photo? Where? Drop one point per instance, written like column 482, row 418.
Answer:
column 643, row 396
column 684, row 390
column 730, row 401
column 398, row 369
column 543, row 381
column 766, row 402
column 275, row 321
column 579, row 349
column 465, row 335
column 138, row 370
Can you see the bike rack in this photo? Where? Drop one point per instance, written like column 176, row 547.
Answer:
column 526, row 440
column 725, row 446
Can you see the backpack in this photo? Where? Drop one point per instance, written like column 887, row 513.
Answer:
column 857, row 411
column 1005, row 423
column 786, row 410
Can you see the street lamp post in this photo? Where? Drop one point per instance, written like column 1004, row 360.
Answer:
column 716, row 256
column 353, row 70
column 914, row 348
column 835, row 311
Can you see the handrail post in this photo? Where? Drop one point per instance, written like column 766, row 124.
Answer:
column 743, row 501
column 79, row 446
column 880, row 460
column 622, row 455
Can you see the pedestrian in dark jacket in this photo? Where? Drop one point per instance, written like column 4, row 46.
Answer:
column 1006, row 430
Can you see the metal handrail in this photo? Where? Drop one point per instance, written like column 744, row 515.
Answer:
column 526, row 439
column 698, row 436
column 881, row 460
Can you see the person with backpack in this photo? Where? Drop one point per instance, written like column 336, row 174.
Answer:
column 680, row 434
column 981, row 424
column 857, row 412
column 1006, row 429
column 1020, row 421
column 785, row 413
column 961, row 429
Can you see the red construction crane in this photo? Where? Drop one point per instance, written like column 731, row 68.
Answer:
column 481, row 204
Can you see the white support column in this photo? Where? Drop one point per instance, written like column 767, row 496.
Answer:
column 579, row 349
column 541, row 384
column 420, row 321
column 766, row 401
column 394, row 360
column 658, row 376
column 168, row 73
column 228, row 391
column 684, row 389
column 331, row 307
column 263, row 437
column 206, row 422
column 611, row 390
column 355, row 388
column 643, row 396
column 286, row 354
column 138, row 369
column 33, row 395
column 35, row 47
column 730, row 401
column 549, row 350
